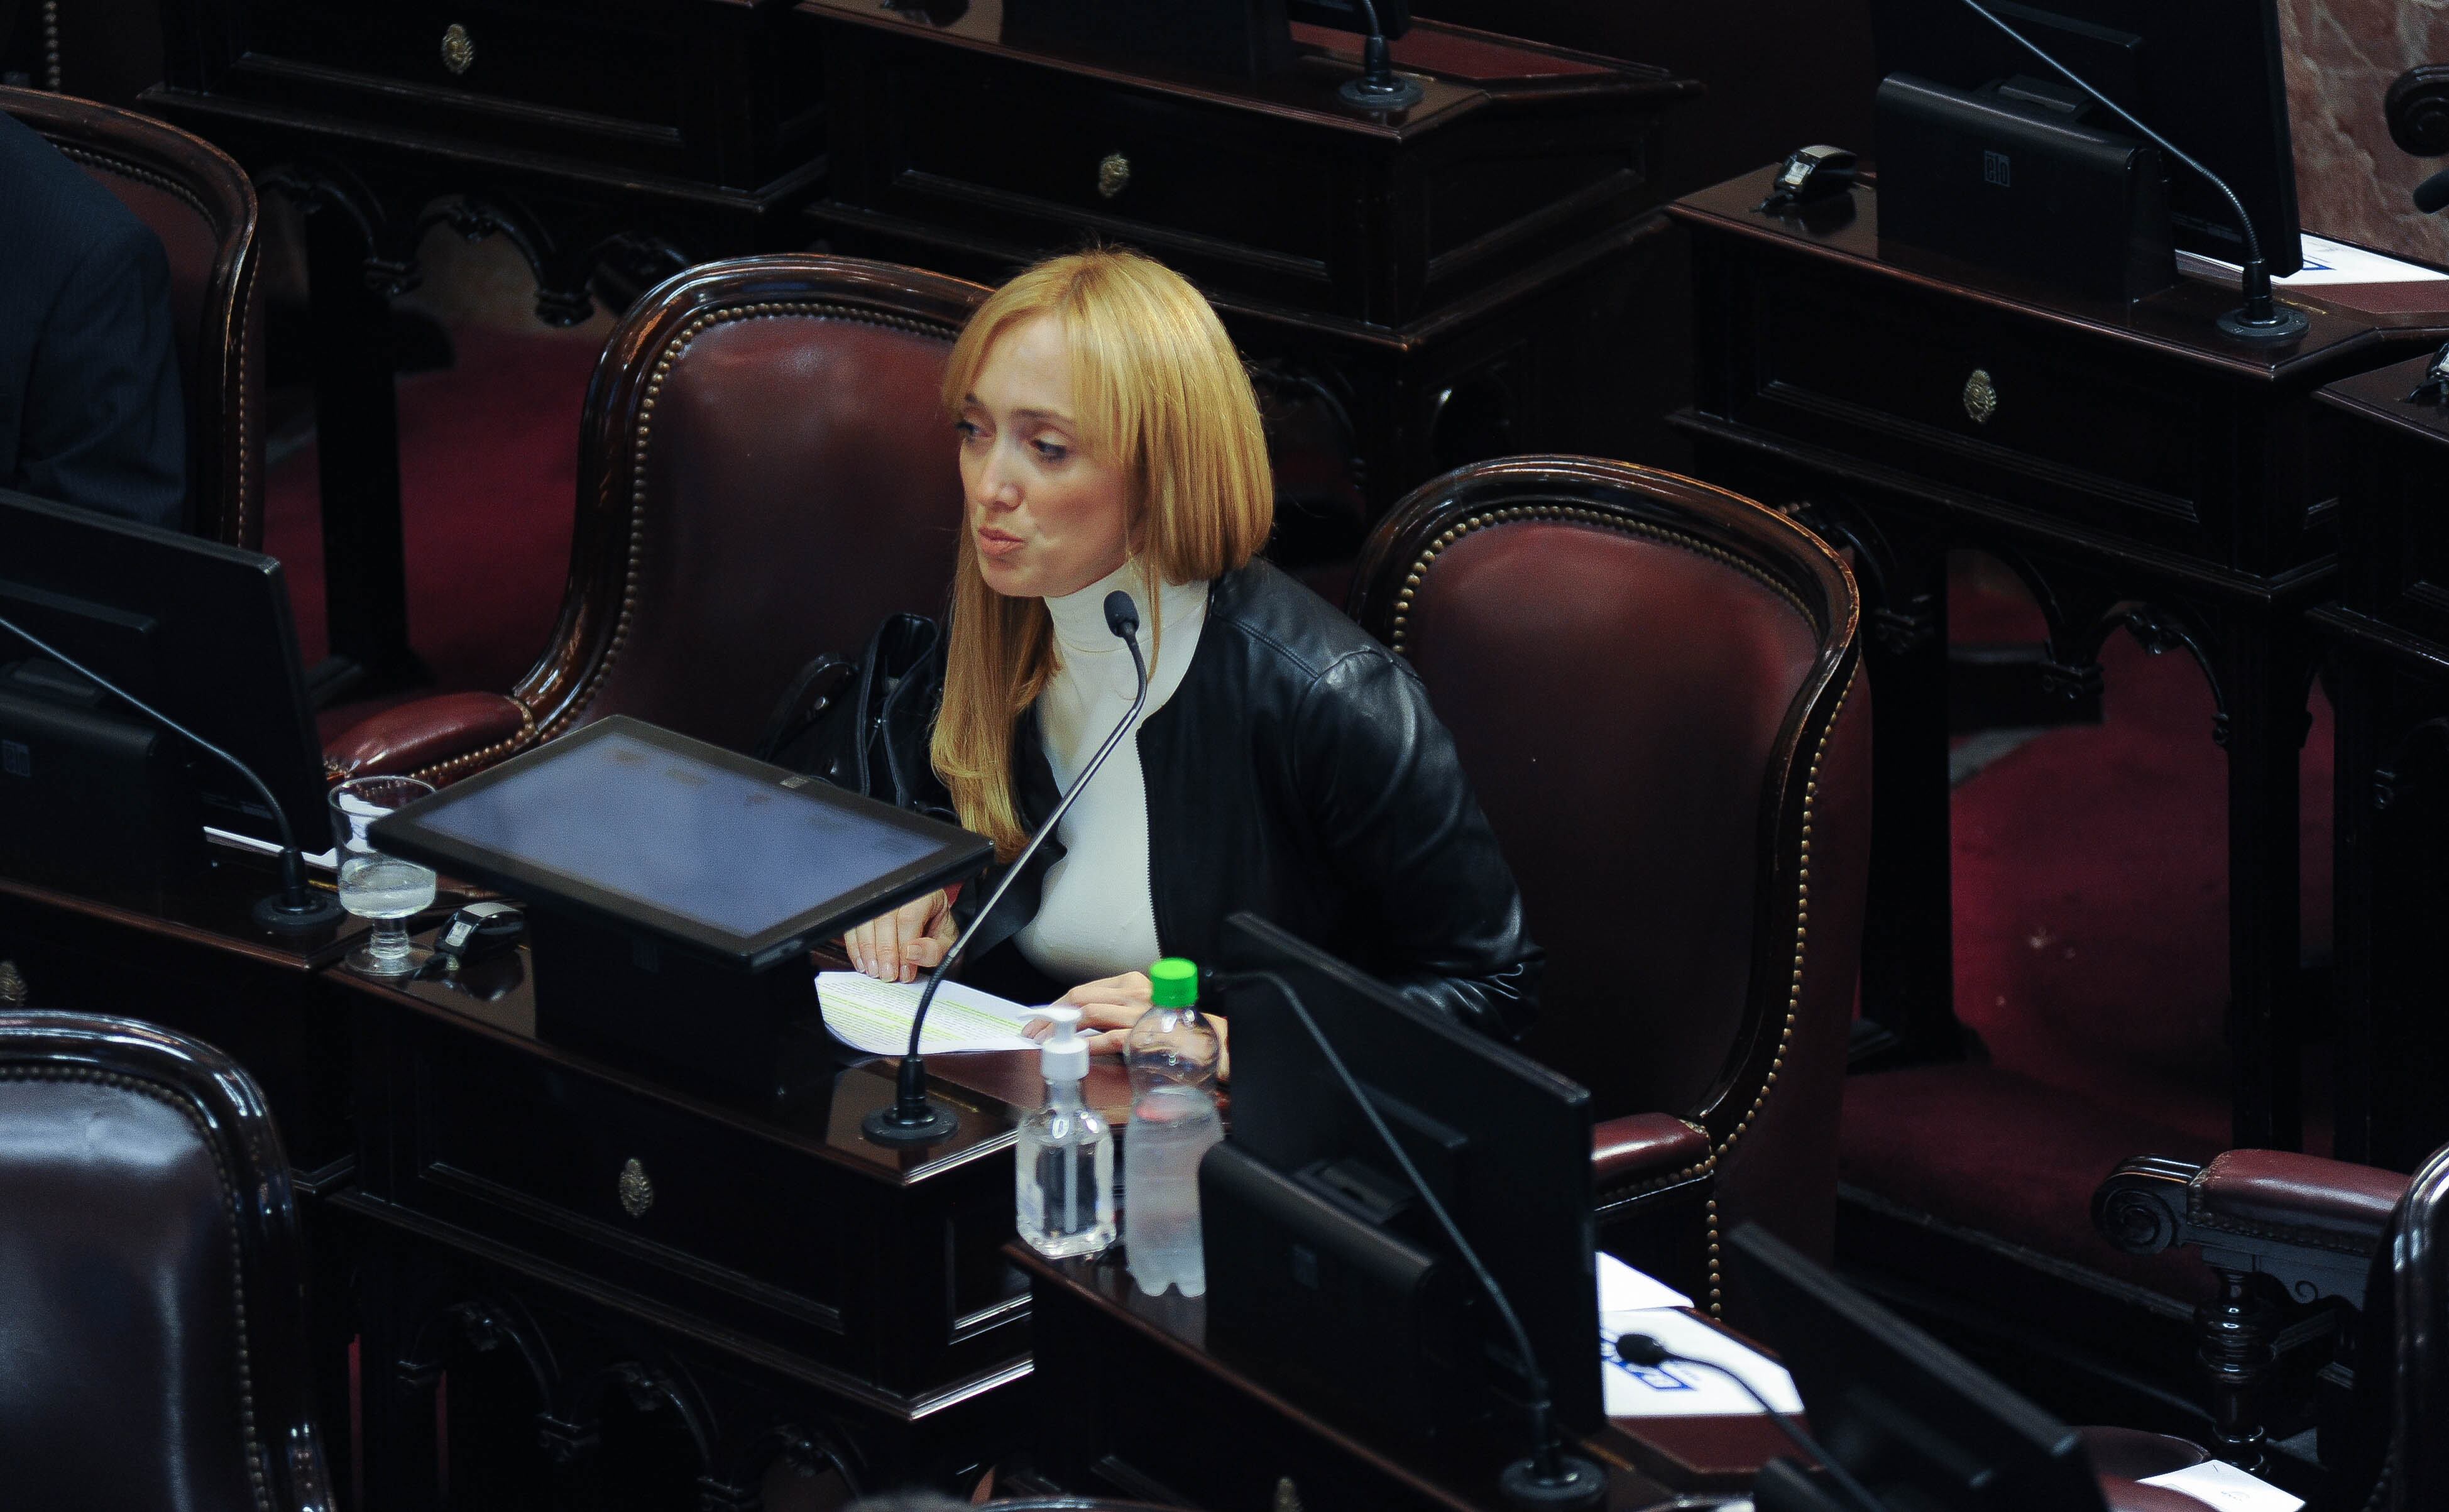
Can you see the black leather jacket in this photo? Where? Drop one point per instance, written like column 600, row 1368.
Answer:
column 1299, row 773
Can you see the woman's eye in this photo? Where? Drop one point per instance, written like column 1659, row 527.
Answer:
column 1051, row 451
column 967, row 429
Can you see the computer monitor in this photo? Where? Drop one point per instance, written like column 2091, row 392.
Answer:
column 1919, row 1425
column 200, row 631
column 2207, row 74
column 1321, row 1261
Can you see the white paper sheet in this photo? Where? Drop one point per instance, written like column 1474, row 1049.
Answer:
column 874, row 1016
column 2326, row 261
column 2228, row 1488
column 1679, row 1390
column 1624, row 1289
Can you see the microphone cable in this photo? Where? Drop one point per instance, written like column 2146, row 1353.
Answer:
column 1643, row 1351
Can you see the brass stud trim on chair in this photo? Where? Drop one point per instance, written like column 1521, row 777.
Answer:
column 458, row 47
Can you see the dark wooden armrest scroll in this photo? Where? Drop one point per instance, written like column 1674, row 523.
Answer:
column 2310, row 1223
column 440, row 739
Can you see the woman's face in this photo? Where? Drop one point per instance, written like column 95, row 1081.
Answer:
column 1046, row 518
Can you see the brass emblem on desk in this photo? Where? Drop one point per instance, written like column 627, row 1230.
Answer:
column 1114, row 175
column 1980, row 397
column 458, row 48
column 637, row 1192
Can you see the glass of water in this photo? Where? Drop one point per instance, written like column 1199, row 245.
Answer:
column 375, row 886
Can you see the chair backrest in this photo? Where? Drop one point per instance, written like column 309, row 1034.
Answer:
column 1657, row 692
column 199, row 204
column 2420, row 1293
column 764, row 473
column 152, row 1348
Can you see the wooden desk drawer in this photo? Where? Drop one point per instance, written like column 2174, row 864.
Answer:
column 491, row 50
column 1035, row 156
column 606, row 1169
column 1957, row 395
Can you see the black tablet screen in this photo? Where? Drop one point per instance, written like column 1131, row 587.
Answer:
column 721, row 848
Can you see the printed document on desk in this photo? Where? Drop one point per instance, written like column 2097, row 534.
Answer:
column 874, row 1016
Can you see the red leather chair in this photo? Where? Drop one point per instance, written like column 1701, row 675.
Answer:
column 765, row 475
column 199, row 204
column 2277, row 1227
column 150, row 1280
column 1657, row 691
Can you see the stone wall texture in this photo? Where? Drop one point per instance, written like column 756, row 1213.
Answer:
column 2352, row 181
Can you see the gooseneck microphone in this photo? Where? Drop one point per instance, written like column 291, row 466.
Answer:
column 1641, row 1350
column 295, row 908
column 1547, row 1477
column 2263, row 318
column 911, row 1119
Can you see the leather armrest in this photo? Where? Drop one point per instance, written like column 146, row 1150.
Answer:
column 441, row 738
column 1644, row 1149
column 2305, row 1197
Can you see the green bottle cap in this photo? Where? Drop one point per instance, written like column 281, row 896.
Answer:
column 1173, row 983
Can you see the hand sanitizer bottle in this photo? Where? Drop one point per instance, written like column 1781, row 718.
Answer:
column 1063, row 1177
column 1173, row 1042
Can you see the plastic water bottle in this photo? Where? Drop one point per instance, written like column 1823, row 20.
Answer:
column 1064, row 1175
column 1173, row 1042
column 1172, row 1125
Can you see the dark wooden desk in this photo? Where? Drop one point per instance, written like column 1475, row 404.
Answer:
column 1426, row 287
column 573, row 1284
column 1130, row 1401
column 2388, row 675
column 2134, row 468
column 745, row 1277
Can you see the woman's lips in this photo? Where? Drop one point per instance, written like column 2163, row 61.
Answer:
column 997, row 543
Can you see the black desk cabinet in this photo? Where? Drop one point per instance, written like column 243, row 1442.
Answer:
column 750, row 1268
column 1472, row 277
column 2134, row 468
column 2388, row 675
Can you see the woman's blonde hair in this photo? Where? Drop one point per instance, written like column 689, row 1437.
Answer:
column 1160, row 394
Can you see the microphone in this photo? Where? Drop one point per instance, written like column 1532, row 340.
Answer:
column 1380, row 87
column 1547, row 1477
column 295, row 908
column 2262, row 318
column 2432, row 193
column 911, row 1119
column 1641, row 1350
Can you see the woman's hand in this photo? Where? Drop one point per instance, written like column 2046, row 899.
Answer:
column 1107, row 1010
column 911, row 938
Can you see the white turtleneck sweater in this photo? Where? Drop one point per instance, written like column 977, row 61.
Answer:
column 1095, row 917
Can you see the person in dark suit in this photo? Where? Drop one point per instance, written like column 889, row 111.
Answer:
column 90, row 411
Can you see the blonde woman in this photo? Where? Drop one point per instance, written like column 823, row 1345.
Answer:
column 1286, row 763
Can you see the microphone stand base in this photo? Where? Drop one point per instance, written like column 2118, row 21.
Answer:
column 1582, row 1484
column 1397, row 94
column 884, row 1128
column 2290, row 324
column 321, row 911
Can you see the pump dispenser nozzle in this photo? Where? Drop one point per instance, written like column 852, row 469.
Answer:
column 1066, row 1055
